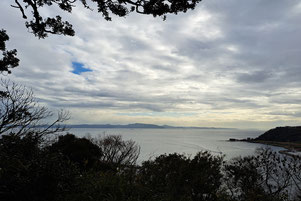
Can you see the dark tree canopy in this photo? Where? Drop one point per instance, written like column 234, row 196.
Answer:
column 41, row 26
column 9, row 59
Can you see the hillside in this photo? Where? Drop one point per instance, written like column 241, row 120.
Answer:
column 282, row 134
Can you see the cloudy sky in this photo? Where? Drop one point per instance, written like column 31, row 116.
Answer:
column 234, row 63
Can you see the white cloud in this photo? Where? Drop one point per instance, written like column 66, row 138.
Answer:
column 227, row 63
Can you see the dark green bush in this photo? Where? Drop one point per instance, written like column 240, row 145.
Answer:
column 175, row 177
column 30, row 172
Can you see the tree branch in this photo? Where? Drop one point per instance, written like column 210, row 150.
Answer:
column 20, row 8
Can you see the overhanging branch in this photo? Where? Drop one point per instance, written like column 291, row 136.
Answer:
column 20, row 8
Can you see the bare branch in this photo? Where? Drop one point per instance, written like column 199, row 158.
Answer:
column 20, row 114
column 20, row 8
column 117, row 151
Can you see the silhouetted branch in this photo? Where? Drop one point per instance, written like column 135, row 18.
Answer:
column 20, row 114
column 9, row 59
column 42, row 26
column 117, row 151
column 20, row 8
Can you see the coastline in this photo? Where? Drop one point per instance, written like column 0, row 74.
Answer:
column 291, row 148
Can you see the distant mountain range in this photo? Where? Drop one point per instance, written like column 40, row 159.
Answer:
column 135, row 125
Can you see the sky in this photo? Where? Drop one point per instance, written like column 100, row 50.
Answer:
column 228, row 63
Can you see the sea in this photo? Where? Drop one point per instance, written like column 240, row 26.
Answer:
column 154, row 142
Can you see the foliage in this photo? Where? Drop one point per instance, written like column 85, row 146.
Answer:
column 294, row 170
column 74, row 169
column 103, row 186
column 176, row 177
column 9, row 59
column 29, row 172
column 106, row 153
column 78, row 150
column 42, row 26
column 282, row 134
column 264, row 176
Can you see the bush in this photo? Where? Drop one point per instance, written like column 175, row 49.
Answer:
column 73, row 169
column 81, row 151
column 175, row 177
column 267, row 175
column 29, row 172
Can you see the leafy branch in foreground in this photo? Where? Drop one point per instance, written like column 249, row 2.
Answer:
column 20, row 113
column 9, row 59
column 42, row 26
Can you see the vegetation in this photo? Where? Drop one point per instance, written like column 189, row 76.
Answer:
column 20, row 114
column 289, row 146
column 9, row 59
column 267, row 175
column 69, row 168
column 40, row 26
column 72, row 168
column 38, row 165
column 287, row 137
column 282, row 134
column 176, row 177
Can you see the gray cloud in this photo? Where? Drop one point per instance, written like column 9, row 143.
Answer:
column 234, row 60
column 253, row 77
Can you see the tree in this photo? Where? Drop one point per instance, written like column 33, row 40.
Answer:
column 175, row 177
column 118, row 152
column 20, row 113
column 30, row 171
column 107, row 153
column 81, row 151
column 9, row 59
column 103, row 186
column 267, row 175
column 42, row 26
column 295, row 167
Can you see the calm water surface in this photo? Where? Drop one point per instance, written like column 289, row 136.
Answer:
column 154, row 142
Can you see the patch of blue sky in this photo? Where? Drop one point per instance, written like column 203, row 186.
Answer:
column 79, row 68
column 157, row 114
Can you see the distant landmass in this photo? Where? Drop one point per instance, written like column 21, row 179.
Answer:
column 136, row 125
column 288, row 137
column 282, row 134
